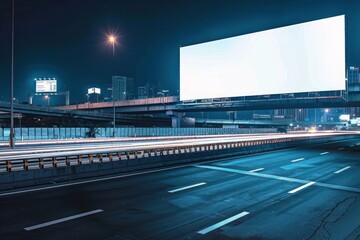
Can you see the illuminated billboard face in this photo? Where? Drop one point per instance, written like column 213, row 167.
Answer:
column 306, row 57
column 44, row 86
column 94, row 90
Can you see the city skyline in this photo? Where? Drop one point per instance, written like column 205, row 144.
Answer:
column 54, row 40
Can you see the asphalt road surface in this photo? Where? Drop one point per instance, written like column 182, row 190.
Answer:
column 309, row 192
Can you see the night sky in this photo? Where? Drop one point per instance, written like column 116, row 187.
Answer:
column 66, row 39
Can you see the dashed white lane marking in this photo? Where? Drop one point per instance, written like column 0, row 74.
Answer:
column 222, row 223
column 343, row 169
column 297, row 160
column 324, row 153
column 63, row 220
column 257, row 170
column 341, row 149
column 187, row 187
column 301, row 187
column 280, row 178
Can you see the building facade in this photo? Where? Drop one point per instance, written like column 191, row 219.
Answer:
column 122, row 88
column 353, row 75
column 142, row 92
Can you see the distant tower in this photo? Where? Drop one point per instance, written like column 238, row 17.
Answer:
column 142, row 92
column 122, row 87
column 353, row 82
column 107, row 92
column 353, row 75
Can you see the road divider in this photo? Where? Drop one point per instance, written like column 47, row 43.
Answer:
column 57, row 167
column 99, row 156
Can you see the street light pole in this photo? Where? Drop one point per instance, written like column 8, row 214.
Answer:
column 11, row 140
column 112, row 41
column 114, row 118
column 114, row 131
column 47, row 97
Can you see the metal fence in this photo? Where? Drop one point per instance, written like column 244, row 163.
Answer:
column 67, row 133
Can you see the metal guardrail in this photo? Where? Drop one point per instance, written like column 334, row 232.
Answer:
column 100, row 156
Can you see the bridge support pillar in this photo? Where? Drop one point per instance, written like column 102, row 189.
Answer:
column 175, row 118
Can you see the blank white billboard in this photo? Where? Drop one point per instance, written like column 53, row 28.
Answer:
column 306, row 57
column 44, row 86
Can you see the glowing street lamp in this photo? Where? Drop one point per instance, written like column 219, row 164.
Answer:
column 112, row 40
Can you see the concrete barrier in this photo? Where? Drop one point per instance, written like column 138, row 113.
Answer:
column 17, row 179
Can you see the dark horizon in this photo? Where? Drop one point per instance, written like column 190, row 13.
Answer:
column 67, row 39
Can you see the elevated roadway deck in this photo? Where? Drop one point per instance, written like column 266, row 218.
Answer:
column 172, row 103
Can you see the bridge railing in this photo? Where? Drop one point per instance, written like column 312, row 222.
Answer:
column 69, row 133
column 123, row 103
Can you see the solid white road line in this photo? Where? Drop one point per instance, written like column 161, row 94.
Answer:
column 324, row 153
column 63, row 220
column 297, row 160
column 187, row 187
column 343, row 169
column 301, row 187
column 341, row 149
column 257, row 170
column 222, row 223
column 280, row 178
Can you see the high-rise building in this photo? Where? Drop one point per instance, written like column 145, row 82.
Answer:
column 353, row 81
column 142, row 92
column 353, row 75
column 122, row 87
column 301, row 115
column 107, row 92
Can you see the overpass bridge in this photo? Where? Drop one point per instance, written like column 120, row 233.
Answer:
column 173, row 104
column 173, row 107
column 29, row 109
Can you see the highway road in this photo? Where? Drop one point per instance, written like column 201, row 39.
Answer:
column 308, row 192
